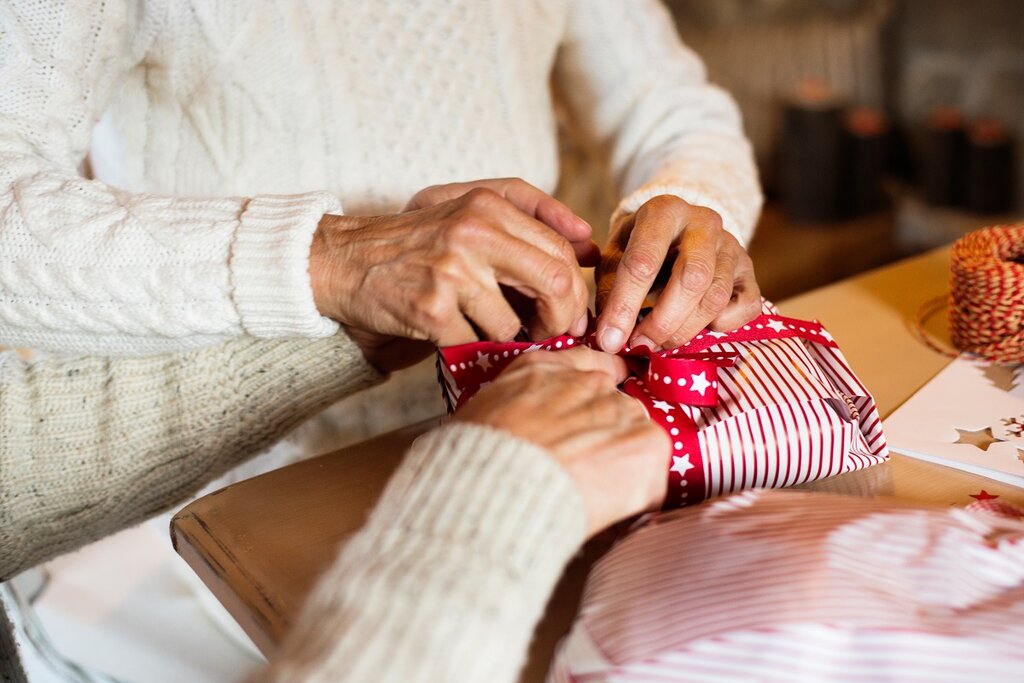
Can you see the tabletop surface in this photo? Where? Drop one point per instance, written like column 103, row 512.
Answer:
column 260, row 544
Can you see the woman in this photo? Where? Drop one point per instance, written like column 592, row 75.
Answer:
column 226, row 140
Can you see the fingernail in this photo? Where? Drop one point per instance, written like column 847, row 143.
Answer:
column 641, row 340
column 579, row 328
column 612, row 339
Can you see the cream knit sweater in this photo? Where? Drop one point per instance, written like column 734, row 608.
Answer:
column 444, row 583
column 221, row 131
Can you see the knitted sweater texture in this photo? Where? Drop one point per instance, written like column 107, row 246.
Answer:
column 444, row 583
column 219, row 133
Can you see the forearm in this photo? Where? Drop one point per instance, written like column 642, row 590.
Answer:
column 87, row 267
column 451, row 574
column 89, row 446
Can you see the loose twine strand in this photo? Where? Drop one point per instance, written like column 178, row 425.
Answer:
column 986, row 299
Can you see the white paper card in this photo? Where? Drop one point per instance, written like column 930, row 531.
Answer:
column 970, row 416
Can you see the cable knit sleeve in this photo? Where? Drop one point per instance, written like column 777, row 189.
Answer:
column 90, row 268
column 643, row 99
column 89, row 446
column 450, row 575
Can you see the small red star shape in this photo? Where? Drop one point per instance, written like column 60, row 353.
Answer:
column 984, row 495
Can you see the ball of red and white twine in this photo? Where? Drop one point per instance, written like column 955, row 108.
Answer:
column 987, row 293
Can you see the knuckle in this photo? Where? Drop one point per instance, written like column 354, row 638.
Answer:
column 660, row 327
column 558, row 278
column 697, row 275
column 667, row 202
column 467, row 229
column 595, row 378
column 434, row 311
column 530, row 380
column 448, row 266
column 674, row 341
column 641, row 264
column 718, row 295
column 705, row 217
column 482, row 199
column 620, row 311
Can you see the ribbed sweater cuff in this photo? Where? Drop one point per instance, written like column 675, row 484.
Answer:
column 448, row 579
column 270, row 265
column 271, row 386
column 696, row 196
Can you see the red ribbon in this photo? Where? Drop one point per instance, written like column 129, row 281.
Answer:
column 663, row 382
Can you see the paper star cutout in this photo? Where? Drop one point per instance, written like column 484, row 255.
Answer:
column 682, row 465
column 663, row 406
column 699, row 383
column 979, row 438
column 483, row 361
column 777, row 325
column 1001, row 376
column 718, row 335
column 984, row 495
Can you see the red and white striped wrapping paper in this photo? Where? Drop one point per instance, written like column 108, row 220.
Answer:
column 795, row 587
column 769, row 405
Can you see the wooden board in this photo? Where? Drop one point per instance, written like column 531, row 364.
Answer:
column 260, row 544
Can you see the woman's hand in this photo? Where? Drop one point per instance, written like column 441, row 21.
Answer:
column 435, row 273
column 528, row 199
column 710, row 277
column 567, row 403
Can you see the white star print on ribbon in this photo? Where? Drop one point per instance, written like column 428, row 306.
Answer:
column 682, row 465
column 662, row 405
column 699, row 383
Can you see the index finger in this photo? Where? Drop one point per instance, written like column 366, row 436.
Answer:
column 524, row 196
column 678, row 313
column 653, row 234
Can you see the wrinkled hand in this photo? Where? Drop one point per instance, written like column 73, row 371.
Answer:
column 528, row 199
column 710, row 277
column 435, row 273
column 567, row 403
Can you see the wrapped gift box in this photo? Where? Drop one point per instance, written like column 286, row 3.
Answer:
column 769, row 405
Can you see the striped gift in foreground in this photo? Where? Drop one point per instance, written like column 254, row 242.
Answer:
column 799, row 587
column 769, row 405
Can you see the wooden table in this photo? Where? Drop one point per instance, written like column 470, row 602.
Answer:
column 260, row 544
